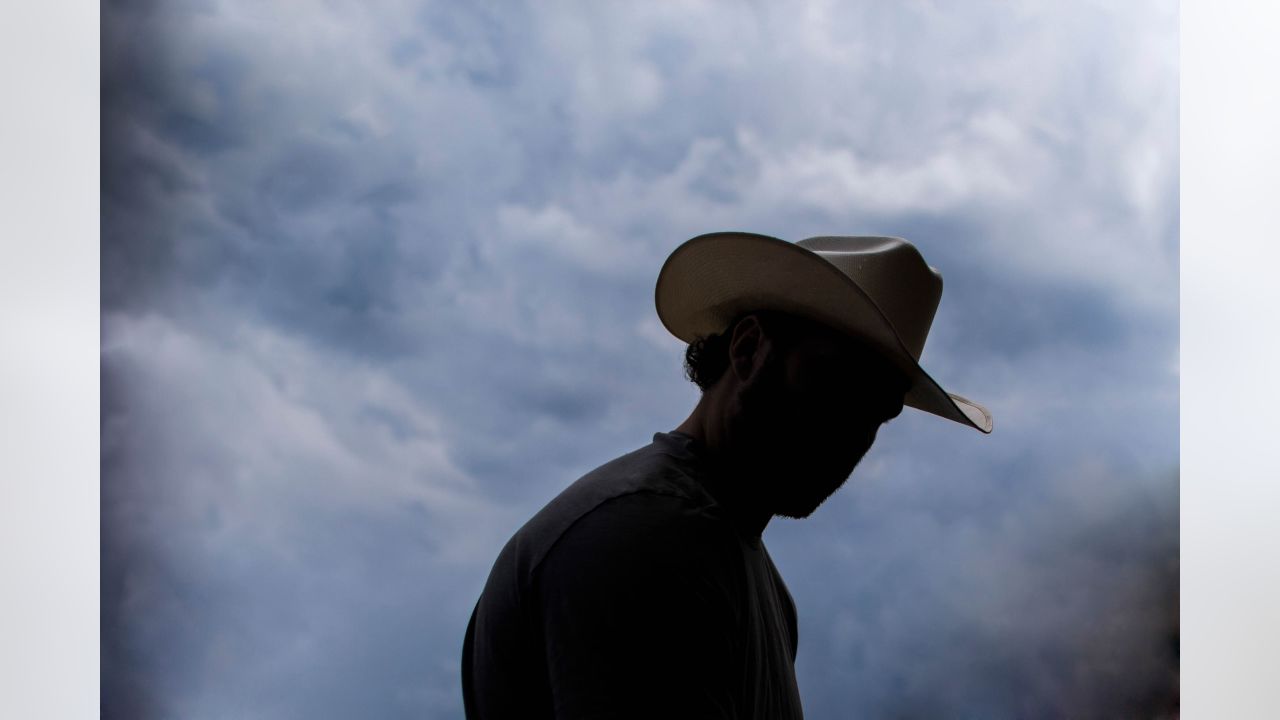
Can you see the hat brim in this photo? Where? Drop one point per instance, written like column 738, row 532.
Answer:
column 712, row 279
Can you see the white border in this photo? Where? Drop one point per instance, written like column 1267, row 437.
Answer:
column 49, row 379
column 49, row 386
column 1230, row 296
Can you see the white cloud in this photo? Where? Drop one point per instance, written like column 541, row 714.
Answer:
column 249, row 423
column 554, row 229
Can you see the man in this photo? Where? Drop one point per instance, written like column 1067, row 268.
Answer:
column 644, row 590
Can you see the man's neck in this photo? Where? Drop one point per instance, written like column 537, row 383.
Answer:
column 727, row 480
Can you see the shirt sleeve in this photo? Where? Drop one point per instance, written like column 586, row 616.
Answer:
column 639, row 609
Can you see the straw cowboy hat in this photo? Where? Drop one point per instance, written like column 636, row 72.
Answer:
column 876, row 288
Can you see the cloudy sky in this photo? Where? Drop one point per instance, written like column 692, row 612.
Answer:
column 377, row 282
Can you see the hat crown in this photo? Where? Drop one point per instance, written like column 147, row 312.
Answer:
column 893, row 274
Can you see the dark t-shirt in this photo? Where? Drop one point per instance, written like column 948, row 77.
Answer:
column 633, row 594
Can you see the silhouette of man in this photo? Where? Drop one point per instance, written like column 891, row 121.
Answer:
column 644, row 589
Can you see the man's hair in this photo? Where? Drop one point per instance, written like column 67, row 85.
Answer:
column 706, row 358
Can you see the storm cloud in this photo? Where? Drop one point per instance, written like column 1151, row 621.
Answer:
column 377, row 282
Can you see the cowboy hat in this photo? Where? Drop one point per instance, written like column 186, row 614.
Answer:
column 878, row 289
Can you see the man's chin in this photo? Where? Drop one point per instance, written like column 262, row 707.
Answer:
column 801, row 505
column 800, row 511
column 795, row 514
column 799, row 508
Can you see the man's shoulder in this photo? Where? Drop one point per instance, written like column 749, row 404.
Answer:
column 644, row 492
column 649, row 526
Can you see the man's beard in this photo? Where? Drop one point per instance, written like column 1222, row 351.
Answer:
column 794, row 460
column 798, row 491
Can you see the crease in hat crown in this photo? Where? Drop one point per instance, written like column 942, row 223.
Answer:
column 893, row 273
column 878, row 288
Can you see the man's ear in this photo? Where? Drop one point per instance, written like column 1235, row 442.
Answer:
column 748, row 347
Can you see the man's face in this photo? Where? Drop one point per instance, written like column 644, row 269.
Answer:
column 811, row 413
